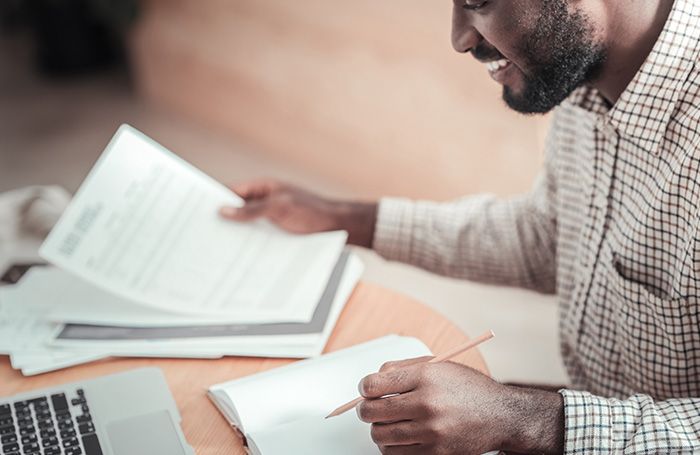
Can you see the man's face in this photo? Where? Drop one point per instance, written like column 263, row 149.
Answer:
column 539, row 50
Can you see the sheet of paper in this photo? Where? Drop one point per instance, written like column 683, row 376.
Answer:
column 297, row 340
column 72, row 299
column 334, row 377
column 144, row 225
column 24, row 336
column 342, row 435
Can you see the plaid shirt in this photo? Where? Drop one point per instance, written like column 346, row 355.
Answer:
column 612, row 227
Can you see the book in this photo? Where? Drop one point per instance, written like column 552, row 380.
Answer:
column 282, row 411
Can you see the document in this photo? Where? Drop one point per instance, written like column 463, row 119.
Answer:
column 144, row 226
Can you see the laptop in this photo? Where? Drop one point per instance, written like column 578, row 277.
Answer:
column 130, row 413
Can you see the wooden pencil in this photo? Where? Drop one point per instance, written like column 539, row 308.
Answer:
column 441, row 358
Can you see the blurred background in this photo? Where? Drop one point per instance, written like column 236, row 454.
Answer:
column 353, row 99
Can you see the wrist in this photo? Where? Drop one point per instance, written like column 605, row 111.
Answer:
column 534, row 421
column 359, row 219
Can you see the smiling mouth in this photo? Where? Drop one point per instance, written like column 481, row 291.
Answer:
column 497, row 65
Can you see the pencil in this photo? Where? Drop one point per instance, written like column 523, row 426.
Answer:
column 441, row 358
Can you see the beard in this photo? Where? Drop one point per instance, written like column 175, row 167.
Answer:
column 562, row 56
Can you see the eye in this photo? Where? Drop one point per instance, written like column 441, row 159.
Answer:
column 474, row 5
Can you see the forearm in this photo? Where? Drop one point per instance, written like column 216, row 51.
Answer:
column 358, row 219
column 532, row 421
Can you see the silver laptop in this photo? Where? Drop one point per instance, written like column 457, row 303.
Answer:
column 130, row 413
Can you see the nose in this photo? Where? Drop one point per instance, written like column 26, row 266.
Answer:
column 464, row 39
column 464, row 35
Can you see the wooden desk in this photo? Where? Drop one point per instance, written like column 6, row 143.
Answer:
column 372, row 312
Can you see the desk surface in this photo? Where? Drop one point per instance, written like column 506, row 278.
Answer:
column 371, row 312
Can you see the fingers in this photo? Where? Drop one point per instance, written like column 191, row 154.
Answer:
column 385, row 383
column 398, row 364
column 251, row 211
column 384, row 410
column 256, row 189
column 396, row 434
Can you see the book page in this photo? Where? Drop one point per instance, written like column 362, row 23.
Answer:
column 311, row 388
column 145, row 225
column 342, row 435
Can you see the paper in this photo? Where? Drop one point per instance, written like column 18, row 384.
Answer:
column 315, row 326
column 24, row 335
column 342, row 435
column 270, row 340
column 144, row 226
column 333, row 378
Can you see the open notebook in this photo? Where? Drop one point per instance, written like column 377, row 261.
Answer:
column 282, row 411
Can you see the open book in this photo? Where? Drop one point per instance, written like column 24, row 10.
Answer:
column 282, row 411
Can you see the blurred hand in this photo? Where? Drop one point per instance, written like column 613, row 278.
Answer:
column 301, row 212
column 447, row 408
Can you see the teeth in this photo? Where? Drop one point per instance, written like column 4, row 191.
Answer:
column 498, row 64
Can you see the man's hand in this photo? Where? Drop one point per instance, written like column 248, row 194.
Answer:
column 447, row 408
column 302, row 212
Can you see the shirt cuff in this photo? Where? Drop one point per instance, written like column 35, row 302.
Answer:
column 597, row 425
column 588, row 423
column 393, row 229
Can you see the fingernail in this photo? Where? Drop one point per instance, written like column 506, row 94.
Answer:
column 228, row 211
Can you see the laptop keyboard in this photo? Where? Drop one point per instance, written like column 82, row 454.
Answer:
column 48, row 425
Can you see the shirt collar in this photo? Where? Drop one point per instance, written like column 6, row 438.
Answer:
column 644, row 109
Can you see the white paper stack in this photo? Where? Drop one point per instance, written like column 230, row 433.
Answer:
column 143, row 266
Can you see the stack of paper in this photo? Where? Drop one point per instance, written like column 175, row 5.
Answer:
column 143, row 266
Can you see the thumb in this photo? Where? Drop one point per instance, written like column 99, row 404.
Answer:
column 250, row 211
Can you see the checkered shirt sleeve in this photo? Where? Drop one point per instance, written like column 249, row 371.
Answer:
column 508, row 242
column 637, row 425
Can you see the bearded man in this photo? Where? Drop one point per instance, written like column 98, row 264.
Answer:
column 611, row 227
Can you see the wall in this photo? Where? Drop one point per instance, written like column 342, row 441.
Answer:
column 367, row 93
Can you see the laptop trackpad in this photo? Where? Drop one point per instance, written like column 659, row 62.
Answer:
column 149, row 434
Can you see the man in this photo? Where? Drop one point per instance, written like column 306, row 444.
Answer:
column 611, row 227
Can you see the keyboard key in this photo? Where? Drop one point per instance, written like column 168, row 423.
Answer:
column 32, row 447
column 59, row 402
column 52, row 451
column 91, row 444
column 5, row 421
column 71, row 442
column 69, row 433
column 8, row 438
column 24, row 422
column 65, row 424
column 11, row 447
column 7, row 430
column 30, row 438
column 47, row 433
column 74, row 451
column 5, row 410
column 23, row 431
column 86, row 428
column 48, row 442
column 85, row 418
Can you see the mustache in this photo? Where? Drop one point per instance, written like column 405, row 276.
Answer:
column 485, row 53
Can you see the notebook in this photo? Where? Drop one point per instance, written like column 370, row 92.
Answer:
column 282, row 411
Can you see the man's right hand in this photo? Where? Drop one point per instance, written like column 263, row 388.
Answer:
column 301, row 212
